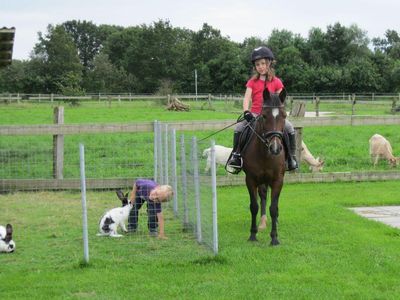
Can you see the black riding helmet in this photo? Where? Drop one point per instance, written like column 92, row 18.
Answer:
column 261, row 52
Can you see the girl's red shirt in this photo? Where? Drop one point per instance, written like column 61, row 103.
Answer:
column 257, row 86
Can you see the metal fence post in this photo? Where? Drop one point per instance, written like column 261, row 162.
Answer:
column 84, row 209
column 155, row 152
column 166, row 160
column 196, row 182
column 174, row 171
column 184, row 185
column 160, row 172
column 214, row 198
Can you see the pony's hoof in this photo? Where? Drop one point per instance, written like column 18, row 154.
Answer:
column 262, row 226
column 274, row 242
column 252, row 239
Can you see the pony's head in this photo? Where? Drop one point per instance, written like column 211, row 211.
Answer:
column 273, row 120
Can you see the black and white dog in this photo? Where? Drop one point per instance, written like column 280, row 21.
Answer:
column 6, row 242
column 115, row 217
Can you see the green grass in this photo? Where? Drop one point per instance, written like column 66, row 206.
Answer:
column 344, row 148
column 326, row 251
column 30, row 113
column 361, row 109
column 102, row 112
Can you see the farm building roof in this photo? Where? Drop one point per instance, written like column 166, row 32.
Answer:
column 6, row 45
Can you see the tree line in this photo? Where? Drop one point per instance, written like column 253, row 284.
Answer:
column 78, row 57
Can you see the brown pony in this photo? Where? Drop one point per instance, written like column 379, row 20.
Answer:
column 264, row 159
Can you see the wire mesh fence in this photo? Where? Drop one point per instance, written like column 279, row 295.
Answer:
column 178, row 162
column 115, row 162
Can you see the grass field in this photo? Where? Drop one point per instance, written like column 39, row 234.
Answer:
column 29, row 113
column 344, row 148
column 326, row 251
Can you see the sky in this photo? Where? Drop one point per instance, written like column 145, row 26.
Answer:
column 236, row 19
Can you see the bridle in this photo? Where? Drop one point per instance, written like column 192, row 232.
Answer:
column 267, row 137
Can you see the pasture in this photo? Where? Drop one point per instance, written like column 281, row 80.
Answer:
column 344, row 148
column 326, row 250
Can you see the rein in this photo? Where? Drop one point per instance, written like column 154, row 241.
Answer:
column 239, row 119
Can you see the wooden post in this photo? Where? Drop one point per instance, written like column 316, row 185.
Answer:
column 317, row 106
column 58, row 145
column 394, row 101
column 299, row 138
column 291, row 103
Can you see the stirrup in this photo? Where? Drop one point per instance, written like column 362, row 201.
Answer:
column 234, row 168
column 289, row 166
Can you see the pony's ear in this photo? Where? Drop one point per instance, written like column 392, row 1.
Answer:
column 266, row 94
column 282, row 95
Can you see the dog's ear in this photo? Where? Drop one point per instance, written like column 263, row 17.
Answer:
column 9, row 231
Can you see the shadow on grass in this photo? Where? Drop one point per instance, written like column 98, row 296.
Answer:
column 210, row 260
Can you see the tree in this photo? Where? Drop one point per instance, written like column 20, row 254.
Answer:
column 105, row 77
column 361, row 75
column 389, row 45
column 12, row 77
column 59, row 56
column 395, row 77
column 151, row 53
column 344, row 43
column 316, row 52
column 292, row 69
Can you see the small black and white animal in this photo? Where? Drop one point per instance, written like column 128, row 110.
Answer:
column 115, row 217
column 6, row 242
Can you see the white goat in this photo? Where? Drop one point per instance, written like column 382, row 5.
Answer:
column 379, row 147
column 221, row 156
column 315, row 164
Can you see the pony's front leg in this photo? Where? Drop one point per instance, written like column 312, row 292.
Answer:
column 254, row 211
column 274, row 212
column 262, row 192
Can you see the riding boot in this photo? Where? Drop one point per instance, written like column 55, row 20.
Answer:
column 292, row 161
column 234, row 164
